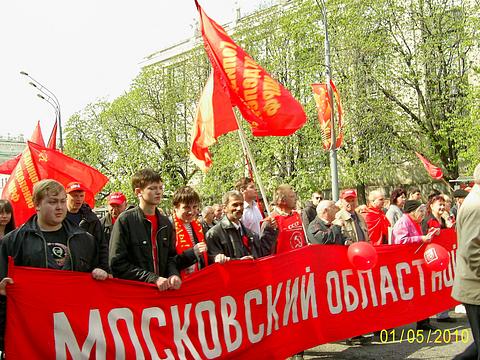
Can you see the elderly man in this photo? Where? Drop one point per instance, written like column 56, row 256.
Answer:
column 309, row 212
column 352, row 223
column 466, row 285
column 323, row 230
column 283, row 231
column 377, row 222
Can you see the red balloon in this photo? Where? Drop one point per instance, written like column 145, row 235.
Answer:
column 436, row 257
column 362, row 255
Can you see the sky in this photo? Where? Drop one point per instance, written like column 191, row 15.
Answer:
column 85, row 51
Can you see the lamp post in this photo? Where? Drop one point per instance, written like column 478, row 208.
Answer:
column 49, row 97
column 328, row 75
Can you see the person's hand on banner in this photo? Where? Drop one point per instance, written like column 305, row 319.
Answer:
column 3, row 285
column 431, row 233
column 221, row 259
column 99, row 274
column 162, row 284
column 199, row 248
column 174, row 282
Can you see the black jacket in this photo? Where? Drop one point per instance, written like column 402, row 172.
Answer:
column 107, row 225
column 224, row 238
column 319, row 232
column 131, row 248
column 309, row 213
column 28, row 247
column 91, row 224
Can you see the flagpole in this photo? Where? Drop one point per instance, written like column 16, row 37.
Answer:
column 333, row 137
column 246, row 148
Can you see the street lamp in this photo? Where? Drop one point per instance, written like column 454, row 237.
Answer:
column 49, row 97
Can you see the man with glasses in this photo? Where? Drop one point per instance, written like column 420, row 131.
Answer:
column 309, row 212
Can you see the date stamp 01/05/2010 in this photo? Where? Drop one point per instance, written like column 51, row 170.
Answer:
column 438, row 336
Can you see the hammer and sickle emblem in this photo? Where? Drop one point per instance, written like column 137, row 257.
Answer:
column 43, row 156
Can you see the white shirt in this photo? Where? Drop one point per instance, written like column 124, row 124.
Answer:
column 252, row 217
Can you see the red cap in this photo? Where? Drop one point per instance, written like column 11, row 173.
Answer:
column 348, row 193
column 116, row 198
column 75, row 186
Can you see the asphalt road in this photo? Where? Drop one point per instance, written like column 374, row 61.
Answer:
column 450, row 340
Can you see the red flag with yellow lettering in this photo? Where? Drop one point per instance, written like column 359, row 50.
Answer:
column 37, row 163
column 269, row 108
column 214, row 118
column 324, row 109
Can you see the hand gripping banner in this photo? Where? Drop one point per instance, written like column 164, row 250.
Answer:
column 266, row 309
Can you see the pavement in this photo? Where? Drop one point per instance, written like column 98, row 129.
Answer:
column 404, row 343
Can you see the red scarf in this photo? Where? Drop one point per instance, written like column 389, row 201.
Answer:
column 184, row 242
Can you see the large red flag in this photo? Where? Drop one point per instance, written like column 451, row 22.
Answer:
column 214, row 118
column 37, row 163
column 52, row 142
column 324, row 109
column 434, row 171
column 264, row 103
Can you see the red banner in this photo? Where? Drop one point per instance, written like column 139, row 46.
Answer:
column 266, row 309
column 265, row 103
column 324, row 109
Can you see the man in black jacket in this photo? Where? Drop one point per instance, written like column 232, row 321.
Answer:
column 82, row 215
column 142, row 244
column 322, row 230
column 309, row 212
column 48, row 240
column 229, row 238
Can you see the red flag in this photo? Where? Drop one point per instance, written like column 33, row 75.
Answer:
column 8, row 166
column 264, row 103
column 37, row 163
column 434, row 171
column 324, row 109
column 214, row 118
column 37, row 136
column 52, row 142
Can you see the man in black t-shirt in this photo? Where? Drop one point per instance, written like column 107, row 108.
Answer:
column 42, row 241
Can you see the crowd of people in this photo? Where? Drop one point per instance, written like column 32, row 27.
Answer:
column 141, row 243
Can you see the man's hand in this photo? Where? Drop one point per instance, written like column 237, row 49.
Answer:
column 162, row 284
column 3, row 285
column 248, row 257
column 199, row 248
column 175, row 282
column 272, row 221
column 99, row 274
column 221, row 259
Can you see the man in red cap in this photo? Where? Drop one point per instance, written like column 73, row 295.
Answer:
column 116, row 204
column 82, row 215
column 353, row 225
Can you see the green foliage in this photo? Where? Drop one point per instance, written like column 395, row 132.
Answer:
column 405, row 72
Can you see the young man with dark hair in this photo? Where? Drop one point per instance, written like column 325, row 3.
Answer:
column 252, row 216
column 190, row 239
column 142, row 244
